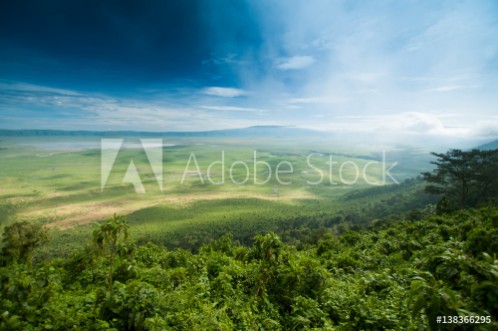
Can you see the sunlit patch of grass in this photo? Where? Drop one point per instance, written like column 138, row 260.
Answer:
column 62, row 188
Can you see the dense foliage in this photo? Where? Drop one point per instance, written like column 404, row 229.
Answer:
column 296, row 225
column 393, row 275
column 389, row 263
column 19, row 241
column 464, row 178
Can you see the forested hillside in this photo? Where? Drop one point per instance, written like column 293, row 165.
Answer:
column 398, row 262
column 396, row 275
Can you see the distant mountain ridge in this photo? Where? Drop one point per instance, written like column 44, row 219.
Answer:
column 489, row 146
column 270, row 130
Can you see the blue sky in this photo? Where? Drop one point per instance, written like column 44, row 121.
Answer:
column 384, row 67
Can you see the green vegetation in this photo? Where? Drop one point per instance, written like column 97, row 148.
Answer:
column 244, row 257
column 296, row 222
column 55, row 181
column 464, row 179
column 20, row 240
column 110, row 237
column 391, row 275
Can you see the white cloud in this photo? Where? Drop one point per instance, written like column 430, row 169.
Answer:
column 231, row 108
column 317, row 100
column 104, row 112
column 25, row 87
column 224, row 92
column 449, row 88
column 411, row 123
column 295, row 62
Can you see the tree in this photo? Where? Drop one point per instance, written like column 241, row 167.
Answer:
column 108, row 236
column 267, row 249
column 487, row 174
column 20, row 239
column 463, row 179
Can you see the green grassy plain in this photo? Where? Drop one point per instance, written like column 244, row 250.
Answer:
column 57, row 181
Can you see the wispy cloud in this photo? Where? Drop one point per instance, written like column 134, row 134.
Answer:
column 449, row 88
column 32, row 88
column 232, row 108
column 295, row 62
column 49, row 107
column 224, row 92
column 406, row 123
column 318, row 100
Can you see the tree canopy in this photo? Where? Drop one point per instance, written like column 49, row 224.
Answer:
column 20, row 239
column 464, row 179
column 392, row 275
